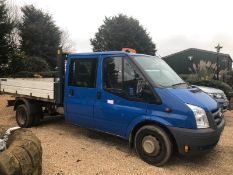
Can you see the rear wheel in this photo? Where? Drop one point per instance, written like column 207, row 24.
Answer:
column 23, row 117
column 153, row 145
column 28, row 115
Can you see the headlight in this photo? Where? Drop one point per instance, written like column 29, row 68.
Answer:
column 216, row 95
column 212, row 95
column 200, row 116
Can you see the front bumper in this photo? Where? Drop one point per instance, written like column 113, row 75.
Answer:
column 198, row 141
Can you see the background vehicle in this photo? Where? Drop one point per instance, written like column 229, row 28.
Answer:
column 134, row 96
column 217, row 94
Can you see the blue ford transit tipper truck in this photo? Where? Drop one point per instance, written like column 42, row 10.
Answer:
column 134, row 96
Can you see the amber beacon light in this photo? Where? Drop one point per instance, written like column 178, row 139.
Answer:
column 129, row 50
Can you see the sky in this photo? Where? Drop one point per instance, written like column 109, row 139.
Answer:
column 174, row 25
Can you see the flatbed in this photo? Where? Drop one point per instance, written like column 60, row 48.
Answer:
column 36, row 88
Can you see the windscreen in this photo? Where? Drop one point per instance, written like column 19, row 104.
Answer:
column 158, row 70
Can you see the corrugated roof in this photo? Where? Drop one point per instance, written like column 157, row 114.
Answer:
column 198, row 50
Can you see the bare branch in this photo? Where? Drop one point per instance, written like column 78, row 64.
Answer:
column 67, row 44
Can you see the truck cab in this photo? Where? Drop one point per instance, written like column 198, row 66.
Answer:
column 141, row 99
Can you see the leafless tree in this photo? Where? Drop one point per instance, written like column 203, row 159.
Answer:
column 14, row 14
column 67, row 43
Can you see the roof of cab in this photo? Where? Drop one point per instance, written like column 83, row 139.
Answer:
column 72, row 55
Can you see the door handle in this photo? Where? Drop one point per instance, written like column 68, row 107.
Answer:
column 71, row 92
column 98, row 95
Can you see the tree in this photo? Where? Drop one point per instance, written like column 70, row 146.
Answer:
column 14, row 16
column 121, row 31
column 67, row 44
column 6, row 28
column 22, row 62
column 40, row 37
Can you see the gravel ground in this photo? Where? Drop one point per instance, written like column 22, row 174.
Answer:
column 69, row 150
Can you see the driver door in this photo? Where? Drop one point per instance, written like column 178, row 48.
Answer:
column 121, row 99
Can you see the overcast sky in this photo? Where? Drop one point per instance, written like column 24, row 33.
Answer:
column 174, row 25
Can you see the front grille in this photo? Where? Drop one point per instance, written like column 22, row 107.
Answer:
column 217, row 115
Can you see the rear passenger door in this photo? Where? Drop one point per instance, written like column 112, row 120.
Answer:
column 80, row 92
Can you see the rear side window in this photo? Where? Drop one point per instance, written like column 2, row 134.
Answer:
column 82, row 72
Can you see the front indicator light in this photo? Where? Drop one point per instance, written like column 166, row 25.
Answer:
column 186, row 148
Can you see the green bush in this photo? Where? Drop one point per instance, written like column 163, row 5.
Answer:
column 184, row 76
column 188, row 77
column 228, row 78
column 48, row 74
column 35, row 64
column 22, row 62
column 27, row 74
column 215, row 84
column 24, row 74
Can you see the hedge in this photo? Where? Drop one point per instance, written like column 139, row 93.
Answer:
column 24, row 74
column 49, row 74
column 27, row 74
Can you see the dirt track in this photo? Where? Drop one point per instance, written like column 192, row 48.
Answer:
column 71, row 150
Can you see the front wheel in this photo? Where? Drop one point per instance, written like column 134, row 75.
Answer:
column 153, row 145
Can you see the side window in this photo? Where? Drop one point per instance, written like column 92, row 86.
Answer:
column 82, row 72
column 133, row 82
column 113, row 73
column 121, row 78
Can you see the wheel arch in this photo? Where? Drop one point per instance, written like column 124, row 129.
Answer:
column 21, row 101
column 150, row 122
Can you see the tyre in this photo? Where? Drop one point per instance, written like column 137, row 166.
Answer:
column 28, row 115
column 23, row 154
column 153, row 145
column 23, row 116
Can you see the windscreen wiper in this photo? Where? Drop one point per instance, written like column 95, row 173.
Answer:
column 177, row 84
